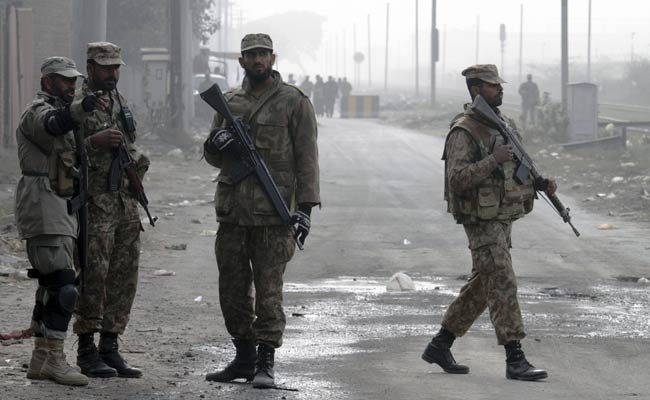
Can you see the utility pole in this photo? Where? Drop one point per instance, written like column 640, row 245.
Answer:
column 417, row 50
column 589, row 44
column 386, row 49
column 369, row 63
column 521, row 39
column 345, row 56
column 357, row 67
column 565, row 53
column 434, row 52
column 502, row 38
column 478, row 22
column 444, row 50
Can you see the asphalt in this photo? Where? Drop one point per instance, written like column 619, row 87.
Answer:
column 347, row 337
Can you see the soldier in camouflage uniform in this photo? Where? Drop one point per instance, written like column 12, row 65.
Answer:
column 253, row 246
column 482, row 196
column 46, row 150
column 114, row 222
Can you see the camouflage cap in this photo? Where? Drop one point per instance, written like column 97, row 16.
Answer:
column 104, row 53
column 256, row 41
column 61, row 66
column 485, row 72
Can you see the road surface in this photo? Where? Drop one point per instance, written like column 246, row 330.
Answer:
column 346, row 337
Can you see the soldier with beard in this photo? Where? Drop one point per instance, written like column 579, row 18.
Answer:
column 253, row 246
column 46, row 149
column 114, row 223
column 483, row 196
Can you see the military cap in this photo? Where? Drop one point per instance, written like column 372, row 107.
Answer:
column 61, row 66
column 104, row 53
column 485, row 72
column 256, row 41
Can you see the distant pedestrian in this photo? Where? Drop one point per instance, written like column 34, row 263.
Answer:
column 331, row 90
column 345, row 88
column 319, row 96
column 307, row 86
column 529, row 93
column 291, row 80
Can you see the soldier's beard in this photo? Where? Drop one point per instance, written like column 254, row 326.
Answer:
column 259, row 76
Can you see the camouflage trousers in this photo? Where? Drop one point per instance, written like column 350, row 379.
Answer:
column 111, row 278
column 251, row 262
column 491, row 285
column 47, row 254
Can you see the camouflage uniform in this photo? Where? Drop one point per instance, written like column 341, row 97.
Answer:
column 253, row 246
column 114, row 223
column 483, row 197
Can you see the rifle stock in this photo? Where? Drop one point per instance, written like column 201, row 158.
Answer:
column 79, row 204
column 250, row 159
column 525, row 164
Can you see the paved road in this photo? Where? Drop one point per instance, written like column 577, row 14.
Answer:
column 347, row 338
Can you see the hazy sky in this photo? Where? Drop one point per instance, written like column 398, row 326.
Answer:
column 620, row 29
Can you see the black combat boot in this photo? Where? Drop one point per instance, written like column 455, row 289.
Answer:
column 242, row 367
column 108, row 351
column 438, row 352
column 517, row 367
column 89, row 361
column 264, row 375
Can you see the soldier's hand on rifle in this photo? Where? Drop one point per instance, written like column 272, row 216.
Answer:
column 92, row 102
column 221, row 140
column 301, row 220
column 502, row 153
column 106, row 139
column 547, row 185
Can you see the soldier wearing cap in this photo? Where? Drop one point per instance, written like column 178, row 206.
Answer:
column 114, row 222
column 46, row 152
column 253, row 245
column 482, row 195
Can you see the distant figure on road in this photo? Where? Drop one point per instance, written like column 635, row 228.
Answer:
column 307, row 86
column 486, row 203
column 529, row 93
column 331, row 94
column 319, row 96
column 345, row 88
column 291, row 80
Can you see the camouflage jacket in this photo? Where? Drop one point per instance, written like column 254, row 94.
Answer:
column 39, row 210
column 476, row 186
column 100, row 159
column 283, row 128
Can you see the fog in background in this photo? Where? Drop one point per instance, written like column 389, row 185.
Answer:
column 314, row 37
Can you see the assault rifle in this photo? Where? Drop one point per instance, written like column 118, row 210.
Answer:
column 250, row 160
column 79, row 204
column 525, row 166
column 123, row 161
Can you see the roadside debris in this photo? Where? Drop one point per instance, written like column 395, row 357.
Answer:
column 208, row 232
column 24, row 334
column 400, row 282
column 198, row 299
column 607, row 227
column 180, row 246
column 406, row 242
column 163, row 272
column 643, row 280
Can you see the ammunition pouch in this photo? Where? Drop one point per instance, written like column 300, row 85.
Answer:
column 62, row 172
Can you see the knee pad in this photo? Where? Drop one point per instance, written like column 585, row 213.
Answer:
column 61, row 299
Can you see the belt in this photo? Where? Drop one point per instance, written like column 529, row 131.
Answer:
column 34, row 173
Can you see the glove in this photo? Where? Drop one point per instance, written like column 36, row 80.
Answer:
column 221, row 140
column 89, row 103
column 59, row 122
column 301, row 220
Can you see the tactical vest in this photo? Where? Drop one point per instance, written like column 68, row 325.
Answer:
column 499, row 197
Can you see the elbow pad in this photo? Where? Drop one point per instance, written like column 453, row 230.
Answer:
column 59, row 122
